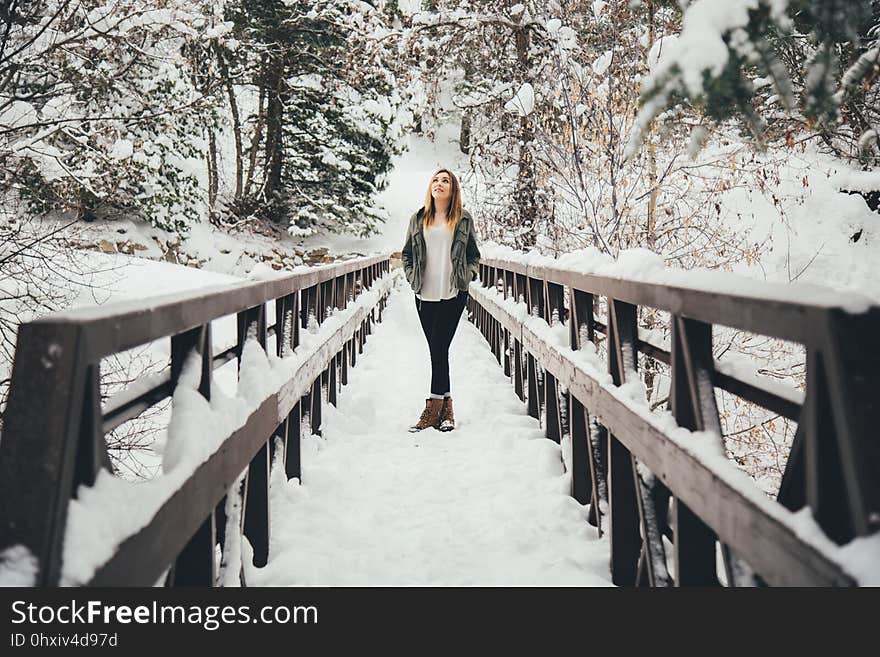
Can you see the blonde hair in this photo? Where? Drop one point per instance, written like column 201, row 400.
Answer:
column 453, row 212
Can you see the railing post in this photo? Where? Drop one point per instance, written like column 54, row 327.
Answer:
column 256, row 487
column 38, row 450
column 692, row 402
column 553, row 428
column 507, row 353
column 292, row 453
column 195, row 565
column 841, row 413
column 553, row 421
column 343, row 374
column 331, row 383
column 623, row 517
column 518, row 369
column 327, row 300
column 586, row 472
column 315, row 413
column 532, row 376
column 307, row 306
column 521, row 289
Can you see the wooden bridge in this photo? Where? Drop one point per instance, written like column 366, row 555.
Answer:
column 653, row 484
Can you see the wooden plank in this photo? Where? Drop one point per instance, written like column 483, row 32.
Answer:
column 789, row 312
column 116, row 327
column 156, row 545
column 145, row 555
column 767, row 541
column 624, row 517
column 38, row 449
column 692, row 403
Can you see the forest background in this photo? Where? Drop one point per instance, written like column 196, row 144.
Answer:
column 737, row 135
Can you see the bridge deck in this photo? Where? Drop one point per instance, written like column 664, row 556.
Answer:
column 486, row 504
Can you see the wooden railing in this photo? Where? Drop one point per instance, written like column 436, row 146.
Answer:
column 53, row 440
column 698, row 502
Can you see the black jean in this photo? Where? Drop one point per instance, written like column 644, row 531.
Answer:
column 439, row 320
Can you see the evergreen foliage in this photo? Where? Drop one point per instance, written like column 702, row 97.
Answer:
column 816, row 59
column 329, row 108
column 127, row 109
column 97, row 110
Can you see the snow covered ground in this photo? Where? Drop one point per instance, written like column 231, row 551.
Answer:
column 485, row 504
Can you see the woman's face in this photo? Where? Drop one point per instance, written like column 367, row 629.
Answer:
column 441, row 190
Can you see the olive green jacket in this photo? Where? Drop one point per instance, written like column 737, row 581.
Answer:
column 465, row 254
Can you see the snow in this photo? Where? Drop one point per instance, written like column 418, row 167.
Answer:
column 18, row 567
column 104, row 515
column 645, row 266
column 122, row 149
column 659, row 50
column 868, row 138
column 857, row 558
column 523, row 101
column 603, row 61
column 861, row 181
column 485, row 504
column 701, row 46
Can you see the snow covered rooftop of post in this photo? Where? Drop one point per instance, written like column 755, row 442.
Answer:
column 646, row 266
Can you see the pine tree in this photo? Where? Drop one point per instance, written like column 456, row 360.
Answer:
column 327, row 123
column 98, row 110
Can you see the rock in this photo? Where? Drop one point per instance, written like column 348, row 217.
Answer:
column 128, row 247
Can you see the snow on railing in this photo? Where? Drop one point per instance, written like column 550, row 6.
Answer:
column 665, row 472
column 65, row 518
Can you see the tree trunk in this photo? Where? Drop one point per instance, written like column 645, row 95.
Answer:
column 258, row 132
column 464, row 139
column 212, row 171
column 525, row 195
column 274, row 133
column 236, row 125
column 652, row 148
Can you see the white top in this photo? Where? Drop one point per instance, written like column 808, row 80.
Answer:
column 437, row 279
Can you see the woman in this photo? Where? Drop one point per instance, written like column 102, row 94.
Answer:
column 440, row 259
